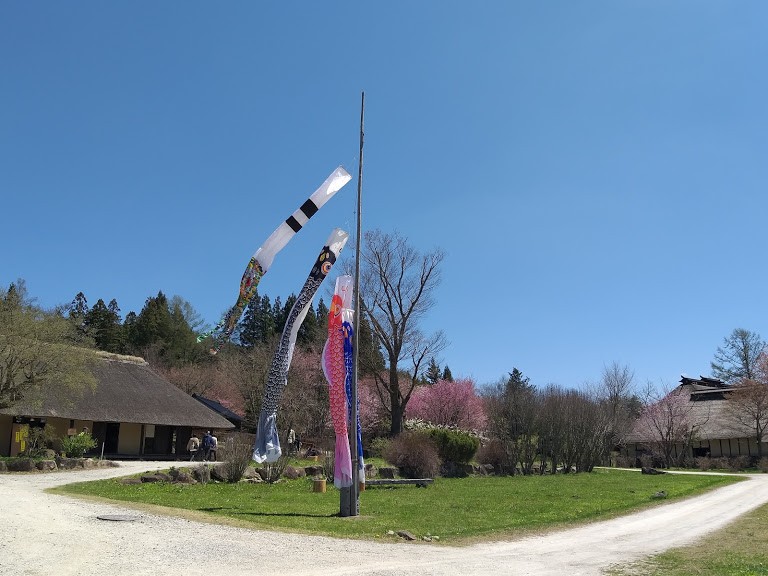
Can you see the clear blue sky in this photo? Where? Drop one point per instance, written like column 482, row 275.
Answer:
column 595, row 171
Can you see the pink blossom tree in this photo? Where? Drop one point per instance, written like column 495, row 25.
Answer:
column 449, row 404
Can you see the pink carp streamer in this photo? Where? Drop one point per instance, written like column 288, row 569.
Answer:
column 335, row 370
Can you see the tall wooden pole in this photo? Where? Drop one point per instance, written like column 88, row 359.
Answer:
column 350, row 497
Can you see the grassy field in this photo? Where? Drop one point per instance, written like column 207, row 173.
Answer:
column 740, row 549
column 456, row 510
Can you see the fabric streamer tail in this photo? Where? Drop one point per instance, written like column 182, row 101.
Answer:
column 348, row 315
column 262, row 259
column 342, row 474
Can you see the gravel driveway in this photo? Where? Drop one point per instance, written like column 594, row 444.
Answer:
column 45, row 534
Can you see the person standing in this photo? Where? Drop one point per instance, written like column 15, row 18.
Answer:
column 207, row 442
column 214, row 447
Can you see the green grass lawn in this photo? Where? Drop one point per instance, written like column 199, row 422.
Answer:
column 456, row 510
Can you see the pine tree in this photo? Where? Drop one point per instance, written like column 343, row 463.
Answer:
column 103, row 324
column 432, row 373
column 79, row 307
column 308, row 331
column 268, row 326
column 163, row 334
column 282, row 318
column 249, row 329
column 322, row 319
column 447, row 376
column 277, row 312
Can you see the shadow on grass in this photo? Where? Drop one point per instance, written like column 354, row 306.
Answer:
column 234, row 512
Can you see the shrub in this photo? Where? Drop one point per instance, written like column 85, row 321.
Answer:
column 738, row 463
column 377, row 447
column 704, row 463
column 454, row 445
column 494, row 453
column 763, row 464
column 721, row 463
column 236, row 453
column 39, row 440
column 76, row 446
column 624, row 462
column 414, row 454
column 271, row 472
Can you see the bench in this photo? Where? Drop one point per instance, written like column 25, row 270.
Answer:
column 420, row 482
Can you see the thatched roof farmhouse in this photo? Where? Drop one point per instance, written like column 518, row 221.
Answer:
column 132, row 412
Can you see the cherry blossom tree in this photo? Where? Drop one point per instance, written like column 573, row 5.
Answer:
column 450, row 404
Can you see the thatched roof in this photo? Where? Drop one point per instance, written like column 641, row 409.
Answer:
column 707, row 409
column 127, row 390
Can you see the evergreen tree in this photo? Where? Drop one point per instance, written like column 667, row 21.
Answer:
column 78, row 308
column 432, row 373
column 308, row 331
column 518, row 382
column 322, row 319
column 277, row 312
column 268, row 326
column 153, row 324
column 103, row 324
column 282, row 318
column 249, row 328
column 163, row 334
column 129, row 329
column 447, row 376
column 182, row 342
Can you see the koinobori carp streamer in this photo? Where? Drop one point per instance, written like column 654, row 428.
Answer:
column 267, row 445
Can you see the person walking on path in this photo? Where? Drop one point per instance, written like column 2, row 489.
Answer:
column 193, row 446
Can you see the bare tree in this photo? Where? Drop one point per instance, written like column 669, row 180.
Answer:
column 396, row 292
column 552, row 426
column 617, row 396
column 246, row 370
column 191, row 378
column 669, row 425
column 748, row 402
column 737, row 358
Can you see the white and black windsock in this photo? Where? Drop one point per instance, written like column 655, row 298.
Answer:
column 288, row 229
column 262, row 259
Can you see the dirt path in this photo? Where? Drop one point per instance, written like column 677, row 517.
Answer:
column 45, row 534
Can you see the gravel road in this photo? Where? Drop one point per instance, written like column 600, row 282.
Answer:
column 45, row 535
